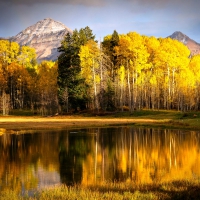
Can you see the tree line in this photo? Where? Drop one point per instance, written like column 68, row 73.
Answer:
column 127, row 72
column 122, row 72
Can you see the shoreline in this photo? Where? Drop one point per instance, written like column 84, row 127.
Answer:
column 41, row 123
column 64, row 122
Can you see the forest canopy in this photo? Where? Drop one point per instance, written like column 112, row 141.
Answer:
column 122, row 72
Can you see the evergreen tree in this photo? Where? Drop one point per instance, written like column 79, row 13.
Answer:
column 114, row 42
column 109, row 43
column 69, row 79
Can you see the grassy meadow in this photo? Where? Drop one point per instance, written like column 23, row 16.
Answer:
column 160, row 119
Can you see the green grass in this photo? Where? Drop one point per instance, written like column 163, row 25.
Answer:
column 19, row 112
column 165, row 119
column 153, row 114
column 150, row 113
column 162, row 114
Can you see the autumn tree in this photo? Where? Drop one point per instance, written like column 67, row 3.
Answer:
column 27, row 57
column 8, row 54
column 194, row 66
column 90, row 64
column 172, row 57
column 16, row 65
column 47, row 88
column 133, row 55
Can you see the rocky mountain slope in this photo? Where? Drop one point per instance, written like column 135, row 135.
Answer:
column 45, row 36
column 193, row 46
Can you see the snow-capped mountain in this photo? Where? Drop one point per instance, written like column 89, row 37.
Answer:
column 45, row 36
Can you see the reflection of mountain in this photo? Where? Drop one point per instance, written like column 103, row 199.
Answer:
column 47, row 177
column 27, row 160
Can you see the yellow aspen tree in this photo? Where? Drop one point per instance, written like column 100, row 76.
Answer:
column 14, row 62
column 14, row 51
column 4, row 52
column 90, row 58
column 8, row 53
column 47, row 87
column 121, row 75
column 194, row 66
column 138, row 66
column 27, row 57
column 186, row 89
column 17, row 84
column 172, row 57
column 153, row 74
column 132, row 53
column 123, row 53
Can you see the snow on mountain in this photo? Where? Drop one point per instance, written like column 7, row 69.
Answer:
column 45, row 36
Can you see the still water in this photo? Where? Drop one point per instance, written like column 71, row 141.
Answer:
column 34, row 160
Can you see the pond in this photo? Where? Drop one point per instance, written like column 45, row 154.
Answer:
column 35, row 160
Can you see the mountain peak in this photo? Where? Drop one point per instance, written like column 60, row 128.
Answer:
column 192, row 45
column 45, row 36
column 180, row 37
column 178, row 33
column 47, row 25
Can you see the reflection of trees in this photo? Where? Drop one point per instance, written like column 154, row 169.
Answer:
column 143, row 156
column 74, row 148
column 101, row 154
column 14, row 151
column 160, row 155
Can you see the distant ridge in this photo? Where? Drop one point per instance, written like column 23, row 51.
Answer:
column 45, row 36
column 192, row 45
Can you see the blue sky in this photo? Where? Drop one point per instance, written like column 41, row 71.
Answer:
column 159, row 18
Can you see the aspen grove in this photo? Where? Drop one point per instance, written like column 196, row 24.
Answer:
column 123, row 72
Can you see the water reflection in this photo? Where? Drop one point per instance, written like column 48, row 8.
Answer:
column 36, row 160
